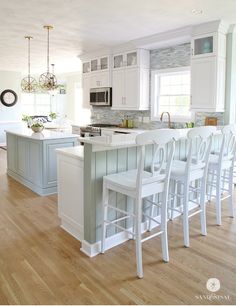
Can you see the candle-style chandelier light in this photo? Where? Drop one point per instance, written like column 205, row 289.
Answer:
column 29, row 84
column 48, row 80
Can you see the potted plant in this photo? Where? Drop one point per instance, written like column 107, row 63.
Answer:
column 53, row 116
column 37, row 125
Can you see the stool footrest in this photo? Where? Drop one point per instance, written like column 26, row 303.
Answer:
column 194, row 213
column 120, row 227
column 152, row 236
column 120, row 210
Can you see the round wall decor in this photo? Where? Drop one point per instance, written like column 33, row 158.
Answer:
column 8, row 97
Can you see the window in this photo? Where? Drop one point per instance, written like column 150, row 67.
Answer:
column 36, row 104
column 171, row 93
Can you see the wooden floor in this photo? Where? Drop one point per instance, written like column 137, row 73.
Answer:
column 42, row 264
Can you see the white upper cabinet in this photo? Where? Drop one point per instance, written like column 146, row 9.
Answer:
column 208, row 65
column 86, row 90
column 97, row 64
column 130, row 89
column 131, row 59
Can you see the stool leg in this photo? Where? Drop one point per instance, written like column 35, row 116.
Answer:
column 105, row 196
column 218, row 198
column 203, row 207
column 164, row 236
column 151, row 213
column 138, row 242
column 185, row 215
column 173, row 202
column 230, row 201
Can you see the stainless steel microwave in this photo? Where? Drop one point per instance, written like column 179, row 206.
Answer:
column 101, row 96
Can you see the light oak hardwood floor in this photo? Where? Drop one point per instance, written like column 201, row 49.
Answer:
column 42, row 264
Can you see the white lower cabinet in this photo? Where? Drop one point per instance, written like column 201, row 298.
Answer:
column 208, row 84
column 130, row 89
column 70, row 169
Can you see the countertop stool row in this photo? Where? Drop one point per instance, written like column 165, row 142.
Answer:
column 203, row 175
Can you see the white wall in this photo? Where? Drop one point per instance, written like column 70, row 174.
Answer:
column 9, row 116
column 10, row 80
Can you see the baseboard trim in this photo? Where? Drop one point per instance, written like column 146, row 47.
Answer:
column 72, row 227
column 94, row 249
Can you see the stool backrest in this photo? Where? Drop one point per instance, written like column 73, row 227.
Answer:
column 228, row 145
column 200, row 141
column 160, row 139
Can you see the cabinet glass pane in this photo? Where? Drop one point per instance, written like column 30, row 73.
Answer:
column 118, row 61
column 94, row 65
column 203, row 45
column 86, row 67
column 104, row 63
column 132, row 59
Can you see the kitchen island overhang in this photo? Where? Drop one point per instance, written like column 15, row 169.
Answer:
column 31, row 157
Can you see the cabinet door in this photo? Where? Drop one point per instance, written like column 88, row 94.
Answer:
column 203, row 83
column 23, row 157
column 103, row 79
column 118, row 93
column 86, row 91
column 132, row 88
column 204, row 45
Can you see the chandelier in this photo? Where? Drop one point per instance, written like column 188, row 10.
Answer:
column 29, row 84
column 47, row 80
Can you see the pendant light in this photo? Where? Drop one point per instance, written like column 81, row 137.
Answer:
column 29, row 84
column 47, row 80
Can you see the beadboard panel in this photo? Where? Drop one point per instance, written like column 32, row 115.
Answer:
column 99, row 164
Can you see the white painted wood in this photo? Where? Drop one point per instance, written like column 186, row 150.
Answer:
column 192, row 173
column 70, row 178
column 130, row 89
column 208, row 74
column 86, row 91
column 139, row 184
column 221, row 172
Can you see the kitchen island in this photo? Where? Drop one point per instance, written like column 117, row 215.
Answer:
column 80, row 179
column 31, row 157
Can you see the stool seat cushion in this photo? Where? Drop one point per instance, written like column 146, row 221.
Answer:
column 127, row 179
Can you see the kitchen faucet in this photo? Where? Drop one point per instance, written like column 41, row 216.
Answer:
column 168, row 114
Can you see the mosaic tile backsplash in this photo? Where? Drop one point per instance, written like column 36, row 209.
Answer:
column 172, row 57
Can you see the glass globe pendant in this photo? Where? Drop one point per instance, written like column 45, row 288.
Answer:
column 29, row 84
column 48, row 80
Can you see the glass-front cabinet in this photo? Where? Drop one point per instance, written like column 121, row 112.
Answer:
column 205, row 45
column 134, row 58
column 96, row 64
column 86, row 67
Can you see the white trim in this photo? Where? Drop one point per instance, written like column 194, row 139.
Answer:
column 154, row 95
column 94, row 249
column 72, row 227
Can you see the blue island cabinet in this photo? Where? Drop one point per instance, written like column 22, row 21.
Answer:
column 32, row 160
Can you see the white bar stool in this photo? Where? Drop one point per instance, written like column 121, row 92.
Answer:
column 221, row 172
column 139, row 184
column 189, row 178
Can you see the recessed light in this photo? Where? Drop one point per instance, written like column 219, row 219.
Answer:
column 197, row 11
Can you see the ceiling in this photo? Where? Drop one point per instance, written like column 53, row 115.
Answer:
column 85, row 25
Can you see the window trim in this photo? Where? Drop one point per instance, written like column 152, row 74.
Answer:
column 154, row 94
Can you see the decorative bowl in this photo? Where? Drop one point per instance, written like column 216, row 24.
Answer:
column 37, row 129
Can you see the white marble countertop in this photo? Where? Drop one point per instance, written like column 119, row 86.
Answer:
column 75, row 152
column 44, row 135
column 101, row 143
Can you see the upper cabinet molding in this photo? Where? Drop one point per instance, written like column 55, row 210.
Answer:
column 210, row 27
